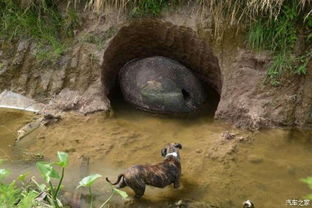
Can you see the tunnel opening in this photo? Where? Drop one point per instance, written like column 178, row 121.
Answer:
column 146, row 38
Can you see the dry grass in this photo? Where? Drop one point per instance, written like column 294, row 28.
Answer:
column 248, row 6
column 223, row 12
column 235, row 12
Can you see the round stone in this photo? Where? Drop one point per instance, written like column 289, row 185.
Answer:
column 162, row 85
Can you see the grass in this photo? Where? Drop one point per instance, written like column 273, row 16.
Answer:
column 40, row 21
column 280, row 35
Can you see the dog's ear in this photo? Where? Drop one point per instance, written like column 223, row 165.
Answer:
column 178, row 145
column 164, row 152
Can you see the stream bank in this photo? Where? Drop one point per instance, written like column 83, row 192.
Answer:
column 83, row 77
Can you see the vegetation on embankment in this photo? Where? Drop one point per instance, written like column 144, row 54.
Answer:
column 283, row 27
column 40, row 21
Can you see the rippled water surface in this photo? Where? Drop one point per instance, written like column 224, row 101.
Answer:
column 264, row 167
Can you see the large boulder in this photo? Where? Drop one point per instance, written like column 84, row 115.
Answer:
column 161, row 85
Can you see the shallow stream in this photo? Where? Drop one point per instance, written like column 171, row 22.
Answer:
column 265, row 167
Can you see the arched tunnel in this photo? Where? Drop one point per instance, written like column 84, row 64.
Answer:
column 147, row 38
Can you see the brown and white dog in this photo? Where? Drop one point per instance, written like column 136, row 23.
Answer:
column 159, row 175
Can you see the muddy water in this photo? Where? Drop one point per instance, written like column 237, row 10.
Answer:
column 264, row 167
column 10, row 122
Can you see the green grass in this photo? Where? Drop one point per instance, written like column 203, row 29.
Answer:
column 149, row 8
column 40, row 22
column 280, row 35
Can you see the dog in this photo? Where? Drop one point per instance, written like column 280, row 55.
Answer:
column 159, row 175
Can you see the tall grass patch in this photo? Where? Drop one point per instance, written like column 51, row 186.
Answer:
column 40, row 21
column 281, row 34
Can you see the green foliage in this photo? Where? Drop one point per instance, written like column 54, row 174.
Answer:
column 28, row 195
column 89, row 180
column 3, row 173
column 63, row 159
column 13, row 196
column 39, row 21
column 23, row 193
column 123, row 194
column 47, row 171
column 70, row 22
column 150, row 7
column 280, row 35
column 308, row 181
column 114, row 191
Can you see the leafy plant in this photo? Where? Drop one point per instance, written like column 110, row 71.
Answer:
column 40, row 21
column 30, row 193
column 123, row 195
column 89, row 181
column 13, row 196
column 308, row 181
column 48, row 172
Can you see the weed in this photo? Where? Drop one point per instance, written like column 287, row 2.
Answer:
column 39, row 21
column 48, row 172
column 46, row 195
column 89, row 181
column 280, row 35
column 70, row 22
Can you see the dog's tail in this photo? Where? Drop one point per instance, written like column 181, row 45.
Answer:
column 118, row 180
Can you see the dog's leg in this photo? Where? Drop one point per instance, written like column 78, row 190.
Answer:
column 139, row 192
column 176, row 184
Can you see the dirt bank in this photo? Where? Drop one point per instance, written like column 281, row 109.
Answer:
column 234, row 72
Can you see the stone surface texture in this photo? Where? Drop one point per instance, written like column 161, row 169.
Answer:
column 162, row 85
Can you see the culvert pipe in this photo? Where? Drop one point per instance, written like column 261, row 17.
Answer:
column 149, row 37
